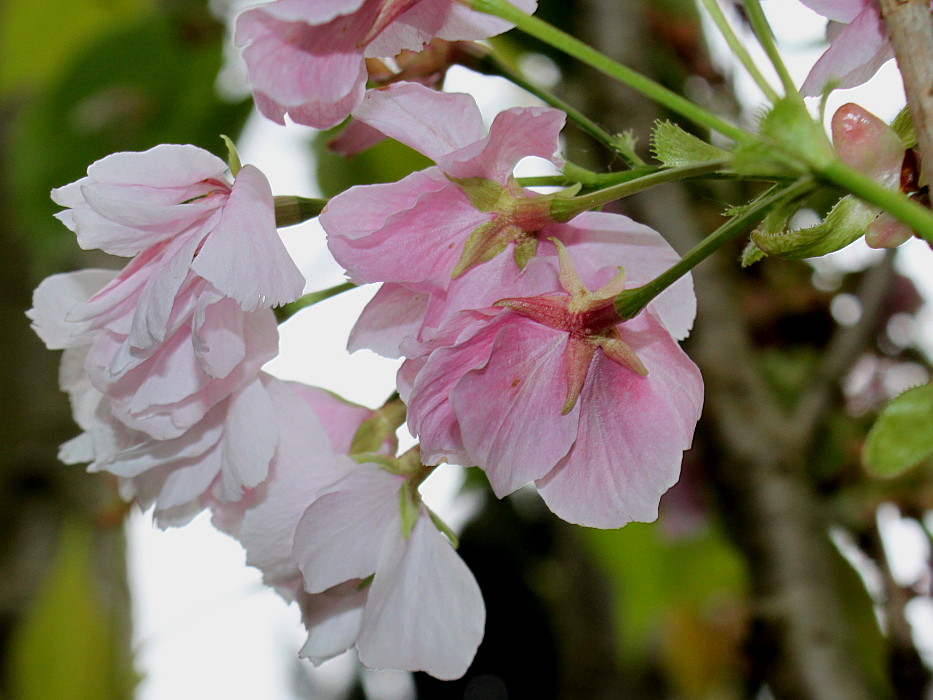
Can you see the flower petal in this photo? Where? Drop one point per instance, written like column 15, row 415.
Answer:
column 244, row 258
column 425, row 611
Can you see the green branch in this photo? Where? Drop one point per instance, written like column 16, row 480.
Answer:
column 738, row 48
column 490, row 64
column 283, row 313
column 630, row 303
column 573, row 47
column 565, row 208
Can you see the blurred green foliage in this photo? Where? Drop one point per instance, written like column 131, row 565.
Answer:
column 146, row 79
column 67, row 647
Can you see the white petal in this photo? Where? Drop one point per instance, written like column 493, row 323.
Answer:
column 425, row 611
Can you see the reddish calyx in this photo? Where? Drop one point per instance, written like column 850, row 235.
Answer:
column 589, row 319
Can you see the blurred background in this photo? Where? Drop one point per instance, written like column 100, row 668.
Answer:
column 779, row 566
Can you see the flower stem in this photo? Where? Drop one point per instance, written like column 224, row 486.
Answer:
column 573, row 47
column 898, row 205
column 762, row 29
column 565, row 208
column 630, row 303
column 490, row 64
column 738, row 48
column 283, row 313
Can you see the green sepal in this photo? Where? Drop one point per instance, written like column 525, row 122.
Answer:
column 389, row 464
column 675, row 147
column 409, row 506
column 233, row 158
column 486, row 242
column 485, row 195
column 444, row 527
column 903, row 126
column 845, row 223
column 901, row 438
column 526, row 248
column 792, row 143
column 366, row 582
column 375, row 432
column 626, row 143
column 751, row 254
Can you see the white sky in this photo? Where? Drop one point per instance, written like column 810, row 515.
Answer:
column 205, row 627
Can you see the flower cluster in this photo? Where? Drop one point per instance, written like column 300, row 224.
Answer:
column 515, row 359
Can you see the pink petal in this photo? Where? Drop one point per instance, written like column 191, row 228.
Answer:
column 304, row 466
column 418, row 246
column 340, row 418
column 217, row 336
column 311, row 11
column 514, row 134
column 463, row 23
column 249, row 440
column 632, row 433
column 316, row 74
column 431, row 417
column 244, row 257
column 341, row 534
column 158, row 297
column 601, row 242
column 433, row 123
column 838, row 10
column 520, row 434
column 356, row 137
column 854, row 56
column 395, row 313
column 425, row 611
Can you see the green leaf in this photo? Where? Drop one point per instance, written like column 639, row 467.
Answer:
column 67, row 647
column 37, row 39
column 845, row 223
column 652, row 574
column 147, row 83
column 676, row 148
column 901, row 437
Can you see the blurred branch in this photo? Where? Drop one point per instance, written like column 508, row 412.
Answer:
column 845, row 346
column 909, row 675
column 760, row 476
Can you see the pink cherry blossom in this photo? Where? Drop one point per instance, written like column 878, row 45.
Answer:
column 211, row 349
column 597, row 412
column 172, row 203
column 218, row 460
column 423, row 611
column 323, row 527
column 306, row 58
column 398, row 320
column 316, row 431
column 181, row 327
column 426, row 228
